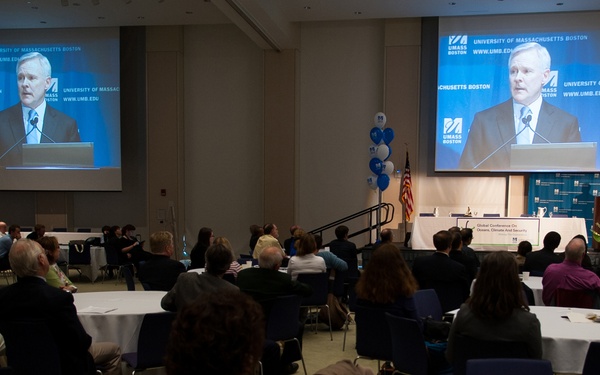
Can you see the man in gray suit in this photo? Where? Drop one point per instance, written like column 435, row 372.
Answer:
column 529, row 67
column 33, row 120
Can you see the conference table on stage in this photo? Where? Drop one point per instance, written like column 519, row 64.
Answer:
column 116, row 316
column 498, row 233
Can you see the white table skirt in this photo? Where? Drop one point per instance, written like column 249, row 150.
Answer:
column 97, row 260
column 535, row 284
column 425, row 227
column 122, row 325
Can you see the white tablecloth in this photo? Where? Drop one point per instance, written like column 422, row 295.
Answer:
column 564, row 343
column 425, row 227
column 121, row 325
column 97, row 260
column 64, row 237
column 535, row 283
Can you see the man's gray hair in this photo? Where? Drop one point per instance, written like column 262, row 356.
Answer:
column 270, row 258
column 542, row 53
column 23, row 257
column 575, row 249
column 46, row 67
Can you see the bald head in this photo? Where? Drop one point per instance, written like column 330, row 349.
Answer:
column 270, row 258
column 27, row 258
column 3, row 227
column 575, row 250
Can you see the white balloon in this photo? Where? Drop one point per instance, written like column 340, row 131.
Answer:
column 387, row 167
column 373, row 151
column 380, row 120
column 383, row 152
column 372, row 181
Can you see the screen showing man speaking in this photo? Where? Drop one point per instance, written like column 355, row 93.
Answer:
column 518, row 93
column 60, row 105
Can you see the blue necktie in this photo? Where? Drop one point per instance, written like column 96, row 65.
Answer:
column 523, row 138
column 32, row 137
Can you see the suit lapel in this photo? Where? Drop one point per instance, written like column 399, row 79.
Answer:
column 545, row 123
column 16, row 123
column 505, row 116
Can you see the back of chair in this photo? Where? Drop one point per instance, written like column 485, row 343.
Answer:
column 128, row 278
column 112, row 256
column 30, row 348
column 79, row 253
column 409, row 352
column 512, row 366
column 574, row 298
column 320, row 286
column 451, row 294
column 471, row 348
column 229, row 277
column 592, row 360
column 428, row 304
column 373, row 337
column 282, row 317
column 153, row 339
column 338, row 288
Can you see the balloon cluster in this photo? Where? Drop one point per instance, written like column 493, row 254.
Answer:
column 380, row 152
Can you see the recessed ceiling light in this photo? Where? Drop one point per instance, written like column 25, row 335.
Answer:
column 43, row 22
column 189, row 12
column 141, row 17
column 452, row 3
column 101, row 17
column 559, row 4
column 357, row 13
column 307, row 8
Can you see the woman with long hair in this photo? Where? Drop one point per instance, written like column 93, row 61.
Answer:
column 497, row 310
column 306, row 260
column 205, row 238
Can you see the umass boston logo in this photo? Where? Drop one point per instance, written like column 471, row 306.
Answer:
column 452, row 130
column 457, row 44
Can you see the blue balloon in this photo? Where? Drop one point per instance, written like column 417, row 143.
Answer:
column 376, row 166
column 383, row 181
column 388, row 135
column 376, row 135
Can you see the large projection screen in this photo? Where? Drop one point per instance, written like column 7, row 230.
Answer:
column 478, row 116
column 82, row 96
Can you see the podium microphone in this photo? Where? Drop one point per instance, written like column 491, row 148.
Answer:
column 527, row 122
column 33, row 122
column 528, row 118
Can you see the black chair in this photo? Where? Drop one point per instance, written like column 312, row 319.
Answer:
column 320, row 286
column 338, row 286
column 512, row 366
column 112, row 262
column 152, row 342
column 280, row 313
column 59, row 229
column 451, row 294
column 428, row 304
column 574, row 298
column 592, row 360
column 84, row 230
column 30, row 348
column 128, row 278
column 471, row 348
column 373, row 336
column 79, row 255
column 409, row 351
column 229, row 277
column 351, row 308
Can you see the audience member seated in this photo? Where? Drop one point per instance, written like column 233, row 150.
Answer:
column 523, row 249
column 197, row 256
column 268, row 239
column 306, row 259
column 55, row 276
column 467, row 237
column 288, row 244
column 386, row 236
column 587, row 261
column 38, row 232
column 235, row 267
column 131, row 247
column 569, row 274
column 30, row 298
column 256, row 231
column 14, row 233
column 343, row 248
column 536, row 262
column 332, row 262
column 191, row 285
column 266, row 283
column 3, row 228
column 437, row 271
column 160, row 272
column 457, row 255
column 220, row 334
column 497, row 311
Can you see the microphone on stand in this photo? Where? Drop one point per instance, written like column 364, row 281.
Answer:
column 505, row 143
column 527, row 121
column 33, row 122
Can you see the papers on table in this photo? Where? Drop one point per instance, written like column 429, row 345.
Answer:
column 578, row 318
column 96, row 310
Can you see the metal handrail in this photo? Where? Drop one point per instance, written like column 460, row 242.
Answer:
column 385, row 210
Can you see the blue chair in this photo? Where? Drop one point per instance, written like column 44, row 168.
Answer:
column 280, row 313
column 319, row 283
column 409, row 351
column 512, row 366
column 152, row 342
column 592, row 360
column 373, row 337
column 467, row 348
column 428, row 304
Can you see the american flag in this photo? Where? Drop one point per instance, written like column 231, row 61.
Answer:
column 406, row 196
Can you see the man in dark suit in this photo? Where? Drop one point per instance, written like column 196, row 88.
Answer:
column 160, row 272
column 33, row 120
column 529, row 66
column 264, row 284
column 345, row 249
column 536, row 262
column 448, row 278
column 31, row 299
